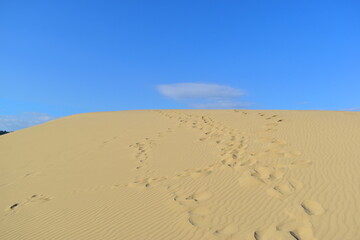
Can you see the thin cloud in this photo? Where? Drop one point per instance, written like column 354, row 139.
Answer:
column 221, row 104
column 204, row 95
column 180, row 91
column 351, row 109
column 303, row 102
column 23, row 120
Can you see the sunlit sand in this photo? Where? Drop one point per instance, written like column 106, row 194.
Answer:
column 184, row 174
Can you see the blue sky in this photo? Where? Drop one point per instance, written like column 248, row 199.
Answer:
column 59, row 58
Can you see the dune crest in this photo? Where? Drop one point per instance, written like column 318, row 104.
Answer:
column 183, row 174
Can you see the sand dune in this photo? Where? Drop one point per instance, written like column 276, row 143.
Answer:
column 184, row 174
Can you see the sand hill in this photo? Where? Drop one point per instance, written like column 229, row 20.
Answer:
column 183, row 174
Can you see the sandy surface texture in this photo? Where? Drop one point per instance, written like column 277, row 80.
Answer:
column 183, row 174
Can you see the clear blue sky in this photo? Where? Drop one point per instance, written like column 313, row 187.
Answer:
column 65, row 57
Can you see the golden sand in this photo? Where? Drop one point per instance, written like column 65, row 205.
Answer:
column 183, row 174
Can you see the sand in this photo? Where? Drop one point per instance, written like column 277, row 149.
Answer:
column 183, row 174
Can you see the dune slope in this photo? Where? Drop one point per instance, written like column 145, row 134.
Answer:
column 183, row 174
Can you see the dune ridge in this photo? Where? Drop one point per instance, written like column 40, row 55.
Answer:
column 183, row 174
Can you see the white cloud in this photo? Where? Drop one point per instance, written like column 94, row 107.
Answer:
column 303, row 102
column 351, row 109
column 221, row 104
column 180, row 91
column 23, row 120
column 204, row 95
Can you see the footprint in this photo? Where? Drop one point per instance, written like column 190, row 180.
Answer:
column 295, row 228
column 31, row 200
column 147, row 182
column 312, row 207
column 200, row 196
column 274, row 233
column 247, row 180
column 299, row 226
column 192, row 200
column 201, row 211
column 266, row 174
column 31, row 174
column 201, row 173
column 227, row 230
column 248, row 161
column 229, row 163
column 303, row 232
column 198, row 213
column 12, row 207
column 285, row 189
column 301, row 163
column 199, row 221
column 198, row 216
